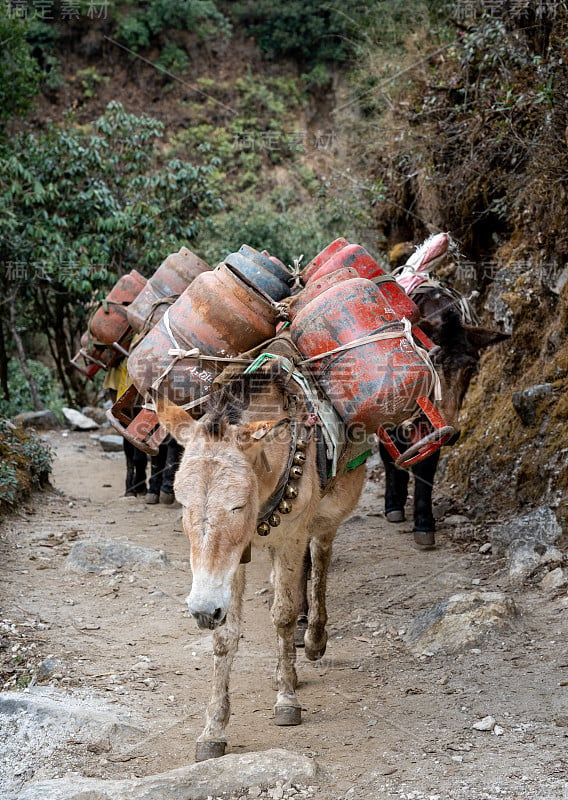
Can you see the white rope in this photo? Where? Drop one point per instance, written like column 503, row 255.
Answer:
column 177, row 353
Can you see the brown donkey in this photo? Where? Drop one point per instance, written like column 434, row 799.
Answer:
column 249, row 469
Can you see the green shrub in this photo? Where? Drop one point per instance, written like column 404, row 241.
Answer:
column 156, row 17
column 20, row 397
column 19, row 71
column 25, row 462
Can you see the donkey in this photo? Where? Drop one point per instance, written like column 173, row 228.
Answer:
column 456, row 361
column 253, row 446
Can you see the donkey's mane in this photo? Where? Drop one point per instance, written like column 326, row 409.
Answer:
column 227, row 405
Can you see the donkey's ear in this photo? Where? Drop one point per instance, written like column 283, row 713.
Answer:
column 175, row 420
column 251, row 435
column 480, row 338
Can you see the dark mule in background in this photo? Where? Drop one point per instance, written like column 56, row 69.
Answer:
column 460, row 344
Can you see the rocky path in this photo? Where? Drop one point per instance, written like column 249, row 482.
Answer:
column 106, row 676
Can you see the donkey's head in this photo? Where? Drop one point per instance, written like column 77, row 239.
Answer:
column 220, row 481
column 460, row 346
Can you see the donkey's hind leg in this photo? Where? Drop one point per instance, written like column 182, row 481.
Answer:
column 213, row 740
column 315, row 638
column 333, row 509
column 287, row 570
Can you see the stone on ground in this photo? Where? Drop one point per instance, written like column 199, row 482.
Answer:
column 111, row 443
column 460, row 622
column 212, row 778
column 44, row 420
column 100, row 555
column 526, row 541
column 78, row 421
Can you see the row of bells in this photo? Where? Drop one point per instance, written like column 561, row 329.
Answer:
column 290, row 492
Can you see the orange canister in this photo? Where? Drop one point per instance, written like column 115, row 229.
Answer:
column 171, row 278
column 109, row 323
column 217, row 315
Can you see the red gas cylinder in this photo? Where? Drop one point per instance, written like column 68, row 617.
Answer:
column 317, row 286
column 355, row 256
column 109, row 323
column 220, row 316
column 171, row 278
column 322, row 257
column 352, row 255
column 370, row 384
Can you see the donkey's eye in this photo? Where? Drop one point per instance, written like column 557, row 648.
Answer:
column 238, row 508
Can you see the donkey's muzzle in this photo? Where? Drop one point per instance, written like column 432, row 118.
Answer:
column 209, row 621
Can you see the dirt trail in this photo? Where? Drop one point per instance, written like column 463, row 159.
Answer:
column 380, row 721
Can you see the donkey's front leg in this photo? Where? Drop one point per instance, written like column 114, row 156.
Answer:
column 287, row 569
column 213, row 740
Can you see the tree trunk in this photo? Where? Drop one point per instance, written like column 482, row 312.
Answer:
column 3, row 363
column 22, row 357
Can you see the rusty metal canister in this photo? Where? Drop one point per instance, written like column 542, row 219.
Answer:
column 171, row 278
column 355, row 256
column 91, row 357
column 352, row 255
column 317, row 286
column 322, row 257
column 220, row 316
column 370, row 384
column 266, row 272
column 109, row 323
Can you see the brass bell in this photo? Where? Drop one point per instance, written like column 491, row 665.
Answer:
column 285, row 506
column 263, row 529
column 301, row 445
column 291, row 491
column 296, row 472
column 274, row 519
column 299, row 458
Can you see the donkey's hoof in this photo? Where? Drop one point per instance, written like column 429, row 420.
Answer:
column 287, row 715
column 395, row 516
column 301, row 628
column 315, row 652
column 206, row 750
column 425, row 538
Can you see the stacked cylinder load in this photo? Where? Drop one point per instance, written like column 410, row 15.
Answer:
column 351, row 322
column 109, row 335
column 221, row 313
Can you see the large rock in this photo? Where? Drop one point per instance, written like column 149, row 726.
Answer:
column 78, row 421
column 526, row 402
column 527, row 541
column 460, row 622
column 111, row 443
column 100, row 555
column 36, row 726
column 230, row 774
column 45, row 420
column 98, row 414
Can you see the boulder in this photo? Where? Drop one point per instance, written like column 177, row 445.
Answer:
column 97, row 414
column 100, row 555
column 78, row 421
column 41, row 420
column 527, row 541
column 37, row 725
column 228, row 775
column 111, row 443
column 460, row 622
column 526, row 402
